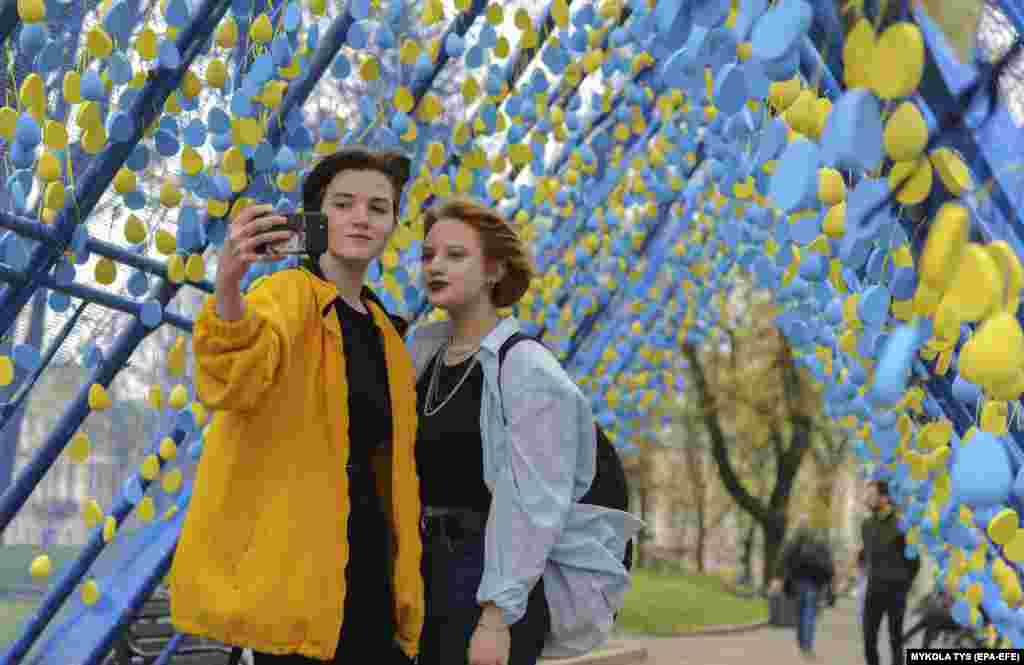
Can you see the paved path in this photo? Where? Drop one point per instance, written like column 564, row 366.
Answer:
column 837, row 642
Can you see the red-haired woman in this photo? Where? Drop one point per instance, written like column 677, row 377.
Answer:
column 513, row 564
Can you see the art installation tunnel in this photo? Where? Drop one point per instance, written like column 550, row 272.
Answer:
column 863, row 170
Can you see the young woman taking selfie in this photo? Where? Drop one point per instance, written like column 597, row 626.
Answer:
column 514, row 565
column 302, row 537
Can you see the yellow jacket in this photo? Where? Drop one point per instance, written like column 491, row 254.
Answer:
column 261, row 559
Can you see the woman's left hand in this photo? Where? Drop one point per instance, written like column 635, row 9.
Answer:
column 490, row 645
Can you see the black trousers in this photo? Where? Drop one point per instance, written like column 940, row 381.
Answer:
column 368, row 628
column 890, row 601
column 452, row 570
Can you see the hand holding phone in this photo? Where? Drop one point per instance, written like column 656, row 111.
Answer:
column 308, row 235
column 247, row 235
column 248, row 232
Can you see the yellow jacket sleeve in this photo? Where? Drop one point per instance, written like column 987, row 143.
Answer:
column 237, row 361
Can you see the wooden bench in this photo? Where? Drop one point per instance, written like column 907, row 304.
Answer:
column 144, row 639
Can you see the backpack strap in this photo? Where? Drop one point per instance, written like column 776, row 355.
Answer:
column 514, row 339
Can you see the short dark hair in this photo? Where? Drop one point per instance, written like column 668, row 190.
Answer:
column 394, row 165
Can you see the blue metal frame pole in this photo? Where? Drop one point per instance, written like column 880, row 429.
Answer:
column 97, row 296
column 64, row 586
column 14, row 498
column 8, row 409
column 102, row 170
column 513, row 72
column 459, row 26
column 565, row 98
column 37, row 231
column 9, row 19
column 652, row 270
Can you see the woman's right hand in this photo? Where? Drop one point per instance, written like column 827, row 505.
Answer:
column 246, row 236
column 245, row 239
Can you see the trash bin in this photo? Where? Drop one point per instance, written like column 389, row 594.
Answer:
column 782, row 610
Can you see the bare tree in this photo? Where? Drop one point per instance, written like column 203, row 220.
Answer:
column 750, row 389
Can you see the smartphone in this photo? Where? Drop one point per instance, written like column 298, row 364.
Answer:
column 310, row 234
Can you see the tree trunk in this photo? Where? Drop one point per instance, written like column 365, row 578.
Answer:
column 702, row 532
column 774, row 535
column 641, row 537
column 821, row 515
column 770, row 514
column 747, row 558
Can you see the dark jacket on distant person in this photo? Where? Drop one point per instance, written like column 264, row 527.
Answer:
column 885, row 552
column 807, row 557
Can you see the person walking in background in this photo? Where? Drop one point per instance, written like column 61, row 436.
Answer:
column 890, row 573
column 808, row 570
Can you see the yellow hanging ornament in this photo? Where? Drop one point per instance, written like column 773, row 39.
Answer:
column 79, row 447
column 32, row 11
column 150, row 467
column 6, row 370
column 92, row 514
column 48, row 167
column 125, row 181
column 227, row 33
column 41, row 567
column 155, row 397
column 146, row 509
column 166, row 243
column 261, row 31
column 109, row 528
column 172, row 481
column 106, row 271
column 898, row 61
column 72, row 86
column 146, row 44
column 945, row 246
column 905, row 133
column 216, row 73
column 134, row 230
column 195, row 269
column 99, row 400
column 99, row 43
column 179, row 397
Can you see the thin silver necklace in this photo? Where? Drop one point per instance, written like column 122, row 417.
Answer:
column 435, row 381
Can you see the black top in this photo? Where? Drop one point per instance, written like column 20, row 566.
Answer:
column 369, row 400
column 807, row 557
column 368, row 599
column 885, row 552
column 449, row 447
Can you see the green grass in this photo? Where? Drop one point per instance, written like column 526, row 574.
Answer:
column 14, row 574
column 15, row 560
column 13, row 613
column 14, row 565
column 660, row 602
column 670, row 602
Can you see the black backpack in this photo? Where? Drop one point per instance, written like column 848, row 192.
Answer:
column 816, row 556
column 609, row 488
